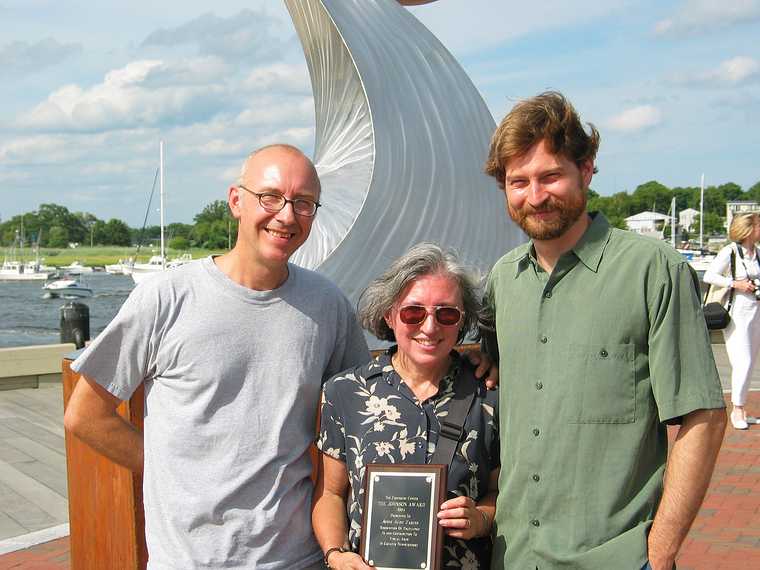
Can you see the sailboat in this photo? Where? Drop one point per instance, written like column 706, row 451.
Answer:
column 701, row 259
column 140, row 271
column 16, row 270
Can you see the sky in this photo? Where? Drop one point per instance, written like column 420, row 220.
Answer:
column 89, row 88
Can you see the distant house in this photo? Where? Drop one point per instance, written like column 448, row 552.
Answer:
column 686, row 219
column 733, row 208
column 647, row 223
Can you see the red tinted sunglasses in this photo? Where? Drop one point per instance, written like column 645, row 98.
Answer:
column 416, row 314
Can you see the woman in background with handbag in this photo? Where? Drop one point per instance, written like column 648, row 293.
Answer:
column 743, row 332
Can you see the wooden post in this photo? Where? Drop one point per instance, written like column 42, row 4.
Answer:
column 106, row 517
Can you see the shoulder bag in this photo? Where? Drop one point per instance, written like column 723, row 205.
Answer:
column 718, row 302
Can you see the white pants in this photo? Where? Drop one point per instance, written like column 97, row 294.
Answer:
column 742, row 343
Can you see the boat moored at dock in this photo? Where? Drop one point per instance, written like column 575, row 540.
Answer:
column 18, row 271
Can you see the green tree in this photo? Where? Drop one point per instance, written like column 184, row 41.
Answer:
column 731, row 192
column 213, row 235
column 651, row 196
column 58, row 237
column 754, row 192
column 715, row 202
column 179, row 243
column 117, row 233
column 99, row 233
column 686, row 197
column 179, row 230
column 88, row 221
column 52, row 215
column 216, row 210
column 714, row 224
column 214, row 226
column 616, row 208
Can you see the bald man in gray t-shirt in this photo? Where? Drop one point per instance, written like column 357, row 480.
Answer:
column 232, row 382
column 232, row 351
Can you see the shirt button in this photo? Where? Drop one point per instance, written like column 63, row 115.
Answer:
column 548, row 295
column 536, row 432
column 544, row 340
column 539, row 386
column 603, row 353
column 535, row 522
column 536, row 477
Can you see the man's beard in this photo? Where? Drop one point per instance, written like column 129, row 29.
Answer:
column 568, row 213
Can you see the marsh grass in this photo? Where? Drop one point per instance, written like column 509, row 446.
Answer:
column 104, row 255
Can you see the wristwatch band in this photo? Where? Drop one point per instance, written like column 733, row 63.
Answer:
column 329, row 551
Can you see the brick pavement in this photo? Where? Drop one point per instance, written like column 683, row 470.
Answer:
column 53, row 555
column 726, row 532
column 725, row 535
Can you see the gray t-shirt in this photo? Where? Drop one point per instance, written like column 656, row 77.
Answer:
column 232, row 379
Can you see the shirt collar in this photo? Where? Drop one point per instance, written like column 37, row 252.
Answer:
column 589, row 248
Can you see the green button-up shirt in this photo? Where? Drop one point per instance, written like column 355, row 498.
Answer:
column 595, row 358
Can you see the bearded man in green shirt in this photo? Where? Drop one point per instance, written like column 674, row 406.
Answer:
column 602, row 343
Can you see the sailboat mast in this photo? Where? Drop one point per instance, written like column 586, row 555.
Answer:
column 161, row 168
column 701, row 209
column 673, row 222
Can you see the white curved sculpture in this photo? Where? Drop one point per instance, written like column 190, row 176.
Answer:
column 402, row 135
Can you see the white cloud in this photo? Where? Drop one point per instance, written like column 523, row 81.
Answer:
column 737, row 69
column 40, row 149
column 22, row 58
column 197, row 71
column 297, row 136
column 138, row 94
column 90, row 152
column 731, row 72
column 698, row 16
column 250, row 34
column 497, row 21
column 155, row 92
column 216, row 147
column 636, row 119
column 282, row 76
column 270, row 110
column 229, row 175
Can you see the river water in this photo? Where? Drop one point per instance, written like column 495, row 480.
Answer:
column 27, row 319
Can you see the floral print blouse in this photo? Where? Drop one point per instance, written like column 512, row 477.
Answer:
column 369, row 415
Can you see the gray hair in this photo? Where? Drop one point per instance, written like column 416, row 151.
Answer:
column 422, row 259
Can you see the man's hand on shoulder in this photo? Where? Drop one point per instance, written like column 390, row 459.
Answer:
column 485, row 368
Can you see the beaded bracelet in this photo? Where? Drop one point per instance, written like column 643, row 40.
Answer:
column 330, row 551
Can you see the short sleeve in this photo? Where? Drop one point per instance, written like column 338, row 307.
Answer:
column 351, row 346
column 332, row 433
column 123, row 355
column 682, row 368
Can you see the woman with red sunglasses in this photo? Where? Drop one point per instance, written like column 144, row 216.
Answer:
column 390, row 410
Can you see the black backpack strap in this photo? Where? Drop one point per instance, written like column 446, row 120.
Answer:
column 733, row 276
column 452, row 426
